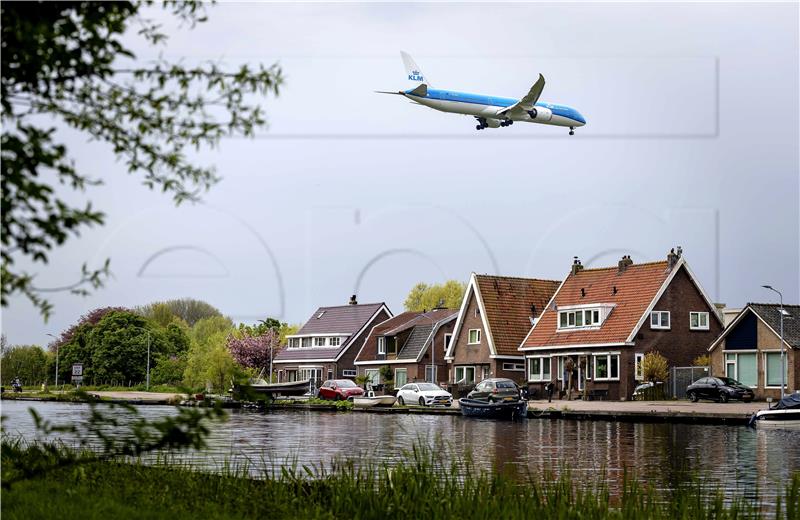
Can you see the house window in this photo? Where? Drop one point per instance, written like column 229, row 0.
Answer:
column 539, row 369
column 400, row 377
column 374, row 376
column 474, row 336
column 447, row 338
column 637, row 369
column 319, row 342
column 698, row 320
column 306, row 342
column 430, row 373
column 477, row 312
column 465, row 375
column 294, row 342
column 381, row 345
column 578, row 318
column 514, row 367
column 606, row 367
column 334, row 341
column 742, row 366
column 772, row 370
column 349, row 373
column 330, row 374
column 659, row 320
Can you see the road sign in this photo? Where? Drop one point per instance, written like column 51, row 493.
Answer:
column 77, row 379
column 77, row 369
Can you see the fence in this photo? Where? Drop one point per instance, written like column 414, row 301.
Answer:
column 681, row 377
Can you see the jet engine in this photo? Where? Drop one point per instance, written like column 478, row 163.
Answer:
column 540, row 114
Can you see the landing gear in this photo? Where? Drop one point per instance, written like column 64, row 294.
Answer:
column 572, row 130
column 481, row 123
column 507, row 122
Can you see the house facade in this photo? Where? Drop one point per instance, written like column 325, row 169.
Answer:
column 599, row 325
column 749, row 349
column 325, row 347
column 411, row 344
column 495, row 315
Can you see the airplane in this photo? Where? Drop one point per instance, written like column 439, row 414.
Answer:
column 490, row 111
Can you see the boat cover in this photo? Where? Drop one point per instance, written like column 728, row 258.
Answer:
column 789, row 402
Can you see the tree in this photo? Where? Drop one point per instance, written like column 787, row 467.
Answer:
column 254, row 351
column 187, row 309
column 426, row 297
column 169, row 370
column 702, row 361
column 655, row 367
column 64, row 64
column 28, row 362
column 119, row 346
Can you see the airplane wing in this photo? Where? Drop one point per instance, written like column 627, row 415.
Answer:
column 527, row 102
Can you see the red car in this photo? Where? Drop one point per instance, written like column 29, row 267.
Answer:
column 339, row 390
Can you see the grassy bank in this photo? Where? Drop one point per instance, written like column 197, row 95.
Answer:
column 425, row 487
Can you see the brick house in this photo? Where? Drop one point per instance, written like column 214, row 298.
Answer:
column 496, row 314
column 326, row 346
column 749, row 349
column 601, row 322
column 412, row 344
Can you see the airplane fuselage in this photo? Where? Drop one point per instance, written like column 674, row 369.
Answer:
column 487, row 107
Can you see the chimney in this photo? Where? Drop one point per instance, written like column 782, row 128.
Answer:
column 624, row 263
column 533, row 310
column 353, row 300
column 576, row 265
column 672, row 257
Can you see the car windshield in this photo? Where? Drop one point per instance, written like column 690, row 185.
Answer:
column 729, row 381
column 427, row 387
column 345, row 383
column 505, row 384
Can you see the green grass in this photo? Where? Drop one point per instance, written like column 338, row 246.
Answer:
column 425, row 486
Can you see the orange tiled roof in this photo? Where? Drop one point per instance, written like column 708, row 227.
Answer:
column 507, row 301
column 636, row 288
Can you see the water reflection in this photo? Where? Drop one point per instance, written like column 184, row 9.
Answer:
column 743, row 461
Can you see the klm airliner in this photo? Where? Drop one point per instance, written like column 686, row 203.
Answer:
column 490, row 111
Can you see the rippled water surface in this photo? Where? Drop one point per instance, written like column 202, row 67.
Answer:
column 747, row 462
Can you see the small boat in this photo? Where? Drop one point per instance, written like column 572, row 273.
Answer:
column 487, row 410
column 262, row 387
column 383, row 401
column 785, row 414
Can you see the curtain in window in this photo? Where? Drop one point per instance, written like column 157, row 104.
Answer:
column 748, row 371
column 773, row 375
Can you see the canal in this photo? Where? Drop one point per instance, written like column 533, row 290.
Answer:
column 742, row 461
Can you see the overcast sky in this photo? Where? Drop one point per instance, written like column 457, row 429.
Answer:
column 691, row 140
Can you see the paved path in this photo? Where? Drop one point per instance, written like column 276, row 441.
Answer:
column 685, row 407
column 149, row 397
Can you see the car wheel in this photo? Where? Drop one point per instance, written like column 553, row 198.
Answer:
column 491, row 399
column 400, row 401
column 723, row 397
column 338, row 397
column 693, row 397
column 422, row 401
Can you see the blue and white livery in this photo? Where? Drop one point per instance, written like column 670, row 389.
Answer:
column 490, row 111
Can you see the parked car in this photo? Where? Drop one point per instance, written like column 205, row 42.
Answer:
column 496, row 390
column 424, row 394
column 718, row 388
column 640, row 392
column 339, row 390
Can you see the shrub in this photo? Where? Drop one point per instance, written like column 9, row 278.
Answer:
column 655, row 367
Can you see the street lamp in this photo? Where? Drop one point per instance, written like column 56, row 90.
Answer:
column 147, row 384
column 56, row 341
column 783, row 356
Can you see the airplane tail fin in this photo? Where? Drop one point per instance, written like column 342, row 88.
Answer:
column 413, row 72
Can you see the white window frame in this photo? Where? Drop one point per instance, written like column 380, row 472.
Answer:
column 303, row 342
column 374, row 375
column 514, row 367
column 381, row 345
column 543, row 375
column 660, row 325
column 349, row 373
column 700, row 326
column 469, row 337
column 334, row 341
column 735, row 364
column 638, row 369
column 448, row 337
column 608, row 376
column 319, row 342
column 463, row 370
column 594, row 315
column 766, row 368
column 398, row 370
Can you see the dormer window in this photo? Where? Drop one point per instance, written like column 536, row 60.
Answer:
column 319, row 342
column 306, row 342
column 381, row 345
column 584, row 317
column 334, row 341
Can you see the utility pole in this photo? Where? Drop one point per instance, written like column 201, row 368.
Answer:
column 56, row 341
column 783, row 355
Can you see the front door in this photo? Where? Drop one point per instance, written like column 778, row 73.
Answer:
column 314, row 374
